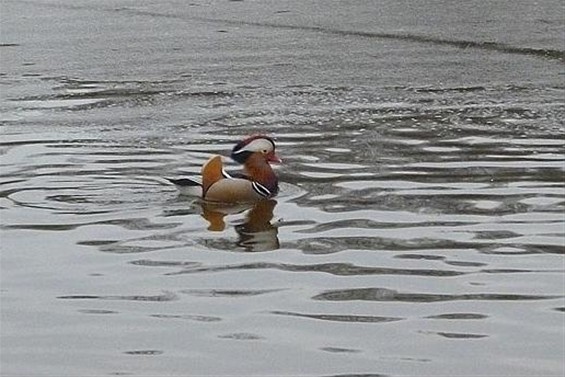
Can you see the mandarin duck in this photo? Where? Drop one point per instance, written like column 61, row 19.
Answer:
column 257, row 182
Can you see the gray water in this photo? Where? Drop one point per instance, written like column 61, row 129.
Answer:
column 420, row 225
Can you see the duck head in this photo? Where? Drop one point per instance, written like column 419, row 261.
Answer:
column 258, row 145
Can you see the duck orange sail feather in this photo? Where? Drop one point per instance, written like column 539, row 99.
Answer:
column 211, row 173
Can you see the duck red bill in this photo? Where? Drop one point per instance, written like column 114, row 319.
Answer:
column 271, row 157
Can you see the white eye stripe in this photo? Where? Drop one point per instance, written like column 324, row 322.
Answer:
column 257, row 145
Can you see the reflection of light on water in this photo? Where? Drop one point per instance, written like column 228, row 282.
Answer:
column 18, row 115
column 53, row 104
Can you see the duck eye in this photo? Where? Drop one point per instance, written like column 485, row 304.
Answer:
column 264, row 151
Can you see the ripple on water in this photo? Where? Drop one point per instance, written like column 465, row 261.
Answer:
column 430, row 217
column 384, row 294
column 167, row 296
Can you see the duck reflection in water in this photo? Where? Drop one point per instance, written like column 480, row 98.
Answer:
column 256, row 233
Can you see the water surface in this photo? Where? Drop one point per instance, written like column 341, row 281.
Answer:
column 420, row 225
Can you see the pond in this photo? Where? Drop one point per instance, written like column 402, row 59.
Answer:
column 419, row 229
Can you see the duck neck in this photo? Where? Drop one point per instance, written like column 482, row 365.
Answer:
column 259, row 170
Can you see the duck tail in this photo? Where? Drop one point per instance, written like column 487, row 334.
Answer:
column 211, row 173
column 183, row 181
column 187, row 186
